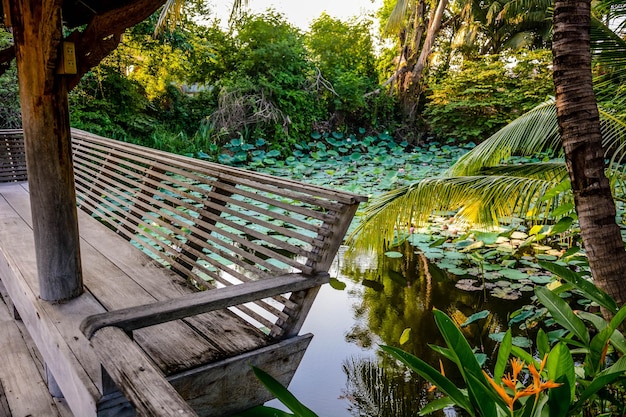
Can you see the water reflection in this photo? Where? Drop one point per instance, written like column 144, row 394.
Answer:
column 373, row 390
column 400, row 293
column 343, row 372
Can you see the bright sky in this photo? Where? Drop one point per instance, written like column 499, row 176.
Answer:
column 302, row 12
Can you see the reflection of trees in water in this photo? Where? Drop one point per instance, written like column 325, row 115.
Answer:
column 400, row 293
column 381, row 391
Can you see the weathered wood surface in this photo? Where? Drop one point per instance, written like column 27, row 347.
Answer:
column 37, row 32
column 141, row 316
column 23, row 391
column 208, row 337
column 12, row 156
column 215, row 225
column 238, row 232
column 53, row 328
column 280, row 360
column 143, row 385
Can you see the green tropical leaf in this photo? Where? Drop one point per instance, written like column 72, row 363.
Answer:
column 586, row 287
column 617, row 339
column 562, row 313
column 433, row 376
column 463, row 354
column 503, row 356
column 608, row 376
column 561, row 369
column 282, row 394
column 436, row 405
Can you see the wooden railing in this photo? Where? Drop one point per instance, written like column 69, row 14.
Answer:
column 215, row 225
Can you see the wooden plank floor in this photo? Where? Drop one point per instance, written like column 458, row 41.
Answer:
column 23, row 391
column 116, row 276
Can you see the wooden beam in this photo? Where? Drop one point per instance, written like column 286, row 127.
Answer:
column 138, row 317
column 37, row 29
column 136, row 376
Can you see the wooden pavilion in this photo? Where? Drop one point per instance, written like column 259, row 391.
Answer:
column 105, row 246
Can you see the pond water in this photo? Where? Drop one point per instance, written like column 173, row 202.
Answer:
column 343, row 372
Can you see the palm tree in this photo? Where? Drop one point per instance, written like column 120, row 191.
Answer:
column 483, row 191
column 579, row 127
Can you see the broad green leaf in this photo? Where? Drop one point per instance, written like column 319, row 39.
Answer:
column 604, row 378
column 619, row 317
column 282, row 394
column 433, row 376
column 587, row 288
column 596, row 349
column 436, row 405
column 561, row 368
column 562, row 225
column 562, row 313
column 543, row 343
column 445, row 352
column 475, row 317
column 522, row 354
column 460, row 348
column 503, row 356
column 480, row 393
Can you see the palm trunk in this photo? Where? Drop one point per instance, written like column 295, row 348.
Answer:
column 579, row 125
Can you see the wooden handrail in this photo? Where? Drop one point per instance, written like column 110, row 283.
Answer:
column 133, row 318
column 137, row 377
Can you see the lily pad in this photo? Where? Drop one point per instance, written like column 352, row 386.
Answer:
column 540, row 279
column 519, row 341
column 393, row 254
column 469, row 285
column 475, row 317
column 505, row 293
column 513, row 274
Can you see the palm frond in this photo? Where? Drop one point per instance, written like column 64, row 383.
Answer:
column 549, row 171
column 608, row 48
column 533, row 132
column 482, row 199
column 170, row 13
column 397, row 17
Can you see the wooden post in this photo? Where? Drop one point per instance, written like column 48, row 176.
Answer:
column 37, row 30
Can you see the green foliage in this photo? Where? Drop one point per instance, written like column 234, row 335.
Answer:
column 10, row 116
column 483, row 95
column 560, row 386
column 268, row 93
column 344, row 55
column 282, row 394
column 107, row 103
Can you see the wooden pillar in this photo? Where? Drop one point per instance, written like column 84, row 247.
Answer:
column 37, row 30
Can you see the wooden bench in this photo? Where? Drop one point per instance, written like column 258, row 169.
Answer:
column 155, row 228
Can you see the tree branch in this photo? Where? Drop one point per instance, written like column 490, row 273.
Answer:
column 104, row 33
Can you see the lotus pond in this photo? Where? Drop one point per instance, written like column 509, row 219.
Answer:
column 483, row 279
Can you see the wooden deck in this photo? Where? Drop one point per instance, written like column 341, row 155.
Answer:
column 23, row 390
column 154, row 230
column 113, row 280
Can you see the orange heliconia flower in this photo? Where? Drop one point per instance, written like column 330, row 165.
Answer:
column 510, row 381
column 434, row 387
